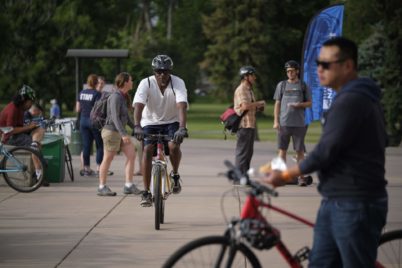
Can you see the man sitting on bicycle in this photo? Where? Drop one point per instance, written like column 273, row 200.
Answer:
column 160, row 107
column 13, row 116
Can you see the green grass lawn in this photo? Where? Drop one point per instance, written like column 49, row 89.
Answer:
column 203, row 123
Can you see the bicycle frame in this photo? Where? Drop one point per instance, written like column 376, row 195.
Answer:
column 251, row 210
column 18, row 165
column 161, row 160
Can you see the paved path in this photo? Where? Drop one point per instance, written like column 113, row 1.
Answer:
column 67, row 225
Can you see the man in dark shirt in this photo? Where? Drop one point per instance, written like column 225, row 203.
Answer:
column 350, row 159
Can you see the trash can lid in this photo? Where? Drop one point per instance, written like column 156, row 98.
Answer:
column 51, row 138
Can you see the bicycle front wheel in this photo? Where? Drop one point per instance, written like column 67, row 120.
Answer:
column 213, row 251
column 158, row 198
column 24, row 169
column 69, row 163
column 390, row 249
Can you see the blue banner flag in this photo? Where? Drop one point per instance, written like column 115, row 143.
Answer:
column 326, row 24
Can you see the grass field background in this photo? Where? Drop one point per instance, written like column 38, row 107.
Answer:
column 204, row 123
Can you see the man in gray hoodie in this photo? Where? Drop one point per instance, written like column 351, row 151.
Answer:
column 350, row 160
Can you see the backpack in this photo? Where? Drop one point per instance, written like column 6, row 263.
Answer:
column 99, row 111
column 303, row 87
column 230, row 120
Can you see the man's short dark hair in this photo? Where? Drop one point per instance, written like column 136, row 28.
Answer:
column 347, row 48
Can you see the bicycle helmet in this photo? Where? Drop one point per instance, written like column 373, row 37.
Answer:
column 292, row 64
column 162, row 62
column 27, row 93
column 245, row 70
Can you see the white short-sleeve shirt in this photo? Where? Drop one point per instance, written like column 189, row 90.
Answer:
column 160, row 108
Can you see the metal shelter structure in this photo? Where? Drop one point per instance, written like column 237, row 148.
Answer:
column 79, row 54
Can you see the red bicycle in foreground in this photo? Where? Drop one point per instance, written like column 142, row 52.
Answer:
column 252, row 230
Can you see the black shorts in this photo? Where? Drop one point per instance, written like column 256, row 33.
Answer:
column 165, row 129
column 20, row 139
column 296, row 133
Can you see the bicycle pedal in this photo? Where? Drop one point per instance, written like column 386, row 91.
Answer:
column 302, row 254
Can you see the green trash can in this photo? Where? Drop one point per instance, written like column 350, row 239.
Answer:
column 53, row 152
column 75, row 145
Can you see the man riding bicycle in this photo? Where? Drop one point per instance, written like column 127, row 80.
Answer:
column 160, row 107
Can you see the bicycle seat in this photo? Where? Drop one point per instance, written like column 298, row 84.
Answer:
column 6, row 130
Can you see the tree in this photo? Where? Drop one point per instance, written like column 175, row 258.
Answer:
column 264, row 34
column 381, row 53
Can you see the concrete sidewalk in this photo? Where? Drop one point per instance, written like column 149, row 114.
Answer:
column 68, row 225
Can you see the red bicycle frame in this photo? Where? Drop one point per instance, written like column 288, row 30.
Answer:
column 251, row 209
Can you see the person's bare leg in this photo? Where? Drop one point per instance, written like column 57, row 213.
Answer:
column 174, row 156
column 104, row 167
column 37, row 137
column 300, row 156
column 147, row 165
column 129, row 152
column 282, row 154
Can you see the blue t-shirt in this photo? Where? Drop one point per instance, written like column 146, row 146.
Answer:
column 55, row 111
column 87, row 100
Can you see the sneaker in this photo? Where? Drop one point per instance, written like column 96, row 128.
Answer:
column 105, row 191
column 176, row 180
column 45, row 183
column 87, row 173
column 35, row 145
column 96, row 173
column 131, row 190
column 301, row 181
column 146, row 199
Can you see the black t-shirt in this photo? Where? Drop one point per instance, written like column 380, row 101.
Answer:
column 87, row 99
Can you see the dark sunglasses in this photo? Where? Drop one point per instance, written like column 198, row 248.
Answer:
column 159, row 72
column 326, row 65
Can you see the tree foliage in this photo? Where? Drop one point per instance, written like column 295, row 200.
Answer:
column 261, row 33
column 381, row 53
column 208, row 40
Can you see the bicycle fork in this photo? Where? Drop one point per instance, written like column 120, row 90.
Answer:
column 166, row 185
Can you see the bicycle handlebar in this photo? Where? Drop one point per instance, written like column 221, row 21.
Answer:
column 235, row 174
column 157, row 137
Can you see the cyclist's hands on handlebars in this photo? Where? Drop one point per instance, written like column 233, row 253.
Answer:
column 180, row 134
column 138, row 133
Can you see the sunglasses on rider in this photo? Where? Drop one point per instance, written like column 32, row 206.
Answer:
column 326, row 65
column 159, row 72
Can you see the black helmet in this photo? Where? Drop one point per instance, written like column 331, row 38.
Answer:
column 27, row 93
column 245, row 70
column 292, row 64
column 162, row 62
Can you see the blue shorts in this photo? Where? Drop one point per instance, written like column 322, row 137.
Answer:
column 165, row 129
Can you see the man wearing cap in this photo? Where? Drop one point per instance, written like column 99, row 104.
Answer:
column 291, row 98
column 13, row 116
column 22, row 135
column 160, row 106
column 244, row 102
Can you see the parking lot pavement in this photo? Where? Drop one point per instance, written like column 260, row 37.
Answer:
column 68, row 225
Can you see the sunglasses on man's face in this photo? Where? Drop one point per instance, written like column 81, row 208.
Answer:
column 326, row 65
column 159, row 72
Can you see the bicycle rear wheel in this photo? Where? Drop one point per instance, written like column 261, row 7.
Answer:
column 213, row 251
column 390, row 249
column 21, row 174
column 157, row 194
column 69, row 162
